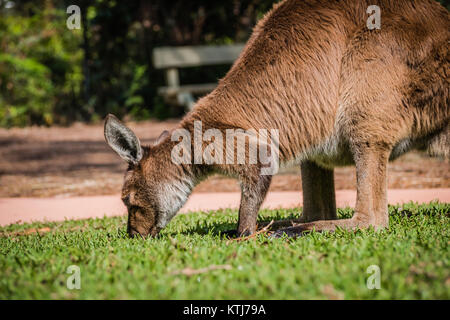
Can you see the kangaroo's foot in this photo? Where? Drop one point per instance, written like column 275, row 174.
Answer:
column 326, row 225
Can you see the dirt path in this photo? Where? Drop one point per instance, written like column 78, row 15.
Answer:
column 25, row 210
column 75, row 161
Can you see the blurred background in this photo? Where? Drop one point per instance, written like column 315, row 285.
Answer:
column 57, row 84
column 52, row 75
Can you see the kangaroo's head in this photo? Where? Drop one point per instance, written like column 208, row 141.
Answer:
column 154, row 187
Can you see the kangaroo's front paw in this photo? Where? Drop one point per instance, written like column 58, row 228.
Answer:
column 244, row 233
column 236, row 234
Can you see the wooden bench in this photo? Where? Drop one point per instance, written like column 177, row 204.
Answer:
column 172, row 58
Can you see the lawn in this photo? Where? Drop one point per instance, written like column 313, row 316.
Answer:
column 191, row 259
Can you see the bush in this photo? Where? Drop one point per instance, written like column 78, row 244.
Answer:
column 40, row 68
column 26, row 92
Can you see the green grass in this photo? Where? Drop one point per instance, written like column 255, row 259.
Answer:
column 413, row 256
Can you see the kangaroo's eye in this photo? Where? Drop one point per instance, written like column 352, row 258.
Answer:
column 126, row 200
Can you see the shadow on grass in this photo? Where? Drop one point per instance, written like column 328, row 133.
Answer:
column 228, row 229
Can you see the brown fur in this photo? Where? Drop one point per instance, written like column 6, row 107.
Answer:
column 338, row 93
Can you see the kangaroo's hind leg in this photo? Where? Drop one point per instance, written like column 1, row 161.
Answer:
column 319, row 201
column 371, row 203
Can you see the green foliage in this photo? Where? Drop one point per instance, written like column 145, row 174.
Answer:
column 25, row 92
column 134, row 100
column 39, row 68
column 412, row 254
column 445, row 3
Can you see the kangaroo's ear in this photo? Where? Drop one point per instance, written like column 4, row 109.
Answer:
column 122, row 140
column 162, row 136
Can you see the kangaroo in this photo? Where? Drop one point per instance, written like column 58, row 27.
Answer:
column 337, row 92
